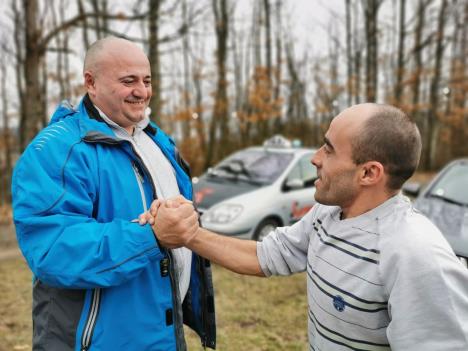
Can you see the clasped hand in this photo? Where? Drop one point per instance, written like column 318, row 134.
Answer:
column 174, row 221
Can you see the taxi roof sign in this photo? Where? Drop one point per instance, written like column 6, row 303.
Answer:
column 277, row 141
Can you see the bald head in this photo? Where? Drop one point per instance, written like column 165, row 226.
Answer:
column 117, row 78
column 385, row 134
column 103, row 50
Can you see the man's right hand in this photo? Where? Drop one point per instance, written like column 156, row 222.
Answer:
column 175, row 221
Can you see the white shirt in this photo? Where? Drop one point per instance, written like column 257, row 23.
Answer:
column 386, row 279
column 164, row 179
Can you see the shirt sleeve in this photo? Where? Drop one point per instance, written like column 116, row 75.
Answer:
column 427, row 293
column 284, row 251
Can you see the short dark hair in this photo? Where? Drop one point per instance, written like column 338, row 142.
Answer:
column 390, row 137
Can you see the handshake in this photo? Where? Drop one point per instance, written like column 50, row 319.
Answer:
column 174, row 221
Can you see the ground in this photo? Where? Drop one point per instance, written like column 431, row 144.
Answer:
column 252, row 313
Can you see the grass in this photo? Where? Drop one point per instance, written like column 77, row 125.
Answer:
column 252, row 313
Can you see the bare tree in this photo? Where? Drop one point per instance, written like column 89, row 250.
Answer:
column 371, row 8
column 153, row 54
column 357, row 45
column 33, row 116
column 81, row 11
column 401, row 51
column 220, row 109
column 349, row 49
column 432, row 118
column 6, row 171
column 417, row 52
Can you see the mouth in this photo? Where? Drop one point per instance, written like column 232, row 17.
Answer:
column 136, row 103
column 317, row 181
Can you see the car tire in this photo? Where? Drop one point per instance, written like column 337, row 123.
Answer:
column 264, row 228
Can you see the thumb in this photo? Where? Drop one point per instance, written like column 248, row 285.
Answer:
column 172, row 203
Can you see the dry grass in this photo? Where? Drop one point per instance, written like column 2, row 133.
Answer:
column 252, row 313
column 6, row 216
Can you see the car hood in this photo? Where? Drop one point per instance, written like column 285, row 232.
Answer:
column 209, row 192
column 451, row 219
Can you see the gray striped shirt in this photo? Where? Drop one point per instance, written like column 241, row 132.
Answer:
column 385, row 280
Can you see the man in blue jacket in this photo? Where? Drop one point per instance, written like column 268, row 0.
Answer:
column 101, row 280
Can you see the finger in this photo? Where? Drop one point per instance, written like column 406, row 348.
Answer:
column 179, row 199
column 142, row 219
column 155, row 206
column 171, row 203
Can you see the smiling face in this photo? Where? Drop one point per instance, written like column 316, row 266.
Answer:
column 118, row 81
column 338, row 175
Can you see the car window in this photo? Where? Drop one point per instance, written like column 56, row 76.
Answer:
column 295, row 173
column 309, row 172
column 453, row 185
column 303, row 170
column 260, row 165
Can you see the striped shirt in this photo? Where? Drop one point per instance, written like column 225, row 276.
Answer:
column 385, row 280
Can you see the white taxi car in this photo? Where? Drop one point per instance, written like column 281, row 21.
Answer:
column 257, row 189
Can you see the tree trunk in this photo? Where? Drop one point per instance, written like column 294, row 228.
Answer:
column 154, row 58
column 349, row 59
column 268, row 59
column 432, row 124
column 84, row 31
column 97, row 19
column 33, row 110
column 371, row 8
column 220, row 109
column 278, row 68
column 6, row 174
column 186, row 94
column 199, row 121
column 401, row 52
column 357, row 56
column 18, row 30
column 459, row 85
column 416, row 86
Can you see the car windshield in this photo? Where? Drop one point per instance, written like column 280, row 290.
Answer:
column 258, row 166
column 453, row 185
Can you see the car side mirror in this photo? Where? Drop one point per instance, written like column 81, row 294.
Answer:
column 294, row 184
column 412, row 188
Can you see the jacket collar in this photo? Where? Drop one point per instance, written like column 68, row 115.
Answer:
column 93, row 113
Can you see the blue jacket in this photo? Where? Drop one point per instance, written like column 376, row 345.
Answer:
column 101, row 282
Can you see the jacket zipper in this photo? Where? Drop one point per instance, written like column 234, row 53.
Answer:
column 91, row 322
column 140, row 182
column 175, row 301
column 168, row 253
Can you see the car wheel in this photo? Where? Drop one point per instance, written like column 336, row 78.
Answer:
column 264, row 228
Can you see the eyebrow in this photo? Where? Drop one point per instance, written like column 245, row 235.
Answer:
column 133, row 76
column 328, row 143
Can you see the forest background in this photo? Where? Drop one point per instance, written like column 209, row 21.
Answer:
column 227, row 74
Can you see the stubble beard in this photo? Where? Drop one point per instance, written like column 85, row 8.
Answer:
column 338, row 193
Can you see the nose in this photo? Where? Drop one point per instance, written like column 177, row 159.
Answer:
column 316, row 160
column 142, row 90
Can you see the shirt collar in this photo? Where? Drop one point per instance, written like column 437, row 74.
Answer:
column 138, row 127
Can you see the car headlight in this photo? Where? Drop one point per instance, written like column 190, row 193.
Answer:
column 223, row 214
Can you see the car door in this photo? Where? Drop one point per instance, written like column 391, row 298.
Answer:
column 298, row 188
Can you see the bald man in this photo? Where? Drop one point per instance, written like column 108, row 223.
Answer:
column 101, row 280
column 380, row 276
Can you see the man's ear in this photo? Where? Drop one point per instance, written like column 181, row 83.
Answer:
column 372, row 172
column 90, row 83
